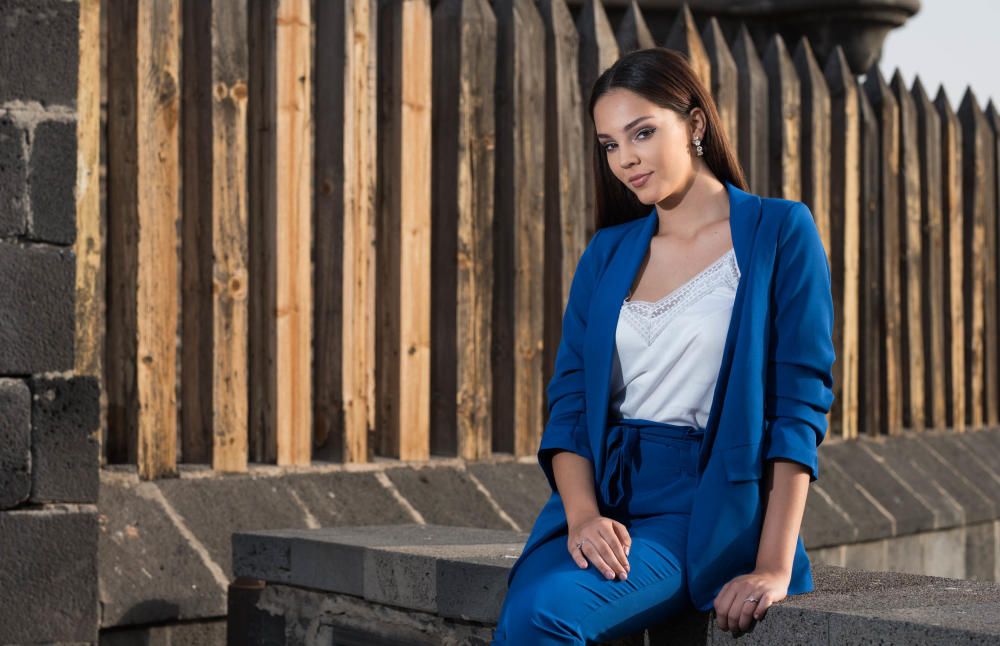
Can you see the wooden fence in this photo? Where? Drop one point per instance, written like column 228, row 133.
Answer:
column 336, row 230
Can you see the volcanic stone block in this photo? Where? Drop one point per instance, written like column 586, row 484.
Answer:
column 36, row 308
column 13, row 176
column 39, row 51
column 48, row 580
column 150, row 572
column 15, row 449
column 65, row 458
column 445, row 497
column 53, row 176
column 520, row 489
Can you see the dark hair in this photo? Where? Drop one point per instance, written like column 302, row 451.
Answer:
column 666, row 78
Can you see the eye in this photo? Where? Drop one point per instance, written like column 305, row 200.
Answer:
column 606, row 149
column 649, row 130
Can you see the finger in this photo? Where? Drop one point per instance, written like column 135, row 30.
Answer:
column 723, row 601
column 765, row 602
column 623, row 536
column 618, row 550
column 739, row 607
column 746, row 613
column 717, row 604
column 608, row 554
column 595, row 557
column 577, row 554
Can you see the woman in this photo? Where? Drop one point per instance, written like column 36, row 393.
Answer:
column 691, row 383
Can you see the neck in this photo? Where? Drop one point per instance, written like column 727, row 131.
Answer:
column 700, row 200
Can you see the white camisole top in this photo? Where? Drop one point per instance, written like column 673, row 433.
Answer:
column 668, row 353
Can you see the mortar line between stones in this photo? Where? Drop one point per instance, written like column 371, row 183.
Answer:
column 493, row 503
column 944, row 492
column 311, row 521
column 892, row 473
column 864, row 492
column 391, row 488
column 971, row 452
column 837, row 508
column 152, row 492
column 940, row 458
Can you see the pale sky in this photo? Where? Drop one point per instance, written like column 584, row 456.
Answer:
column 952, row 43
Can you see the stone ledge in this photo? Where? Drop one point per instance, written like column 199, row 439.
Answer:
column 504, row 493
column 453, row 579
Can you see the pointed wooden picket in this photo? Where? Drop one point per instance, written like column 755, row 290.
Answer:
column 937, row 368
column 845, row 238
column 953, row 218
column 911, row 249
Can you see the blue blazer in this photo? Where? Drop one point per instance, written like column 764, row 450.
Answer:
column 771, row 398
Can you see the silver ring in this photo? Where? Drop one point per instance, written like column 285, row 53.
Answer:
column 750, row 599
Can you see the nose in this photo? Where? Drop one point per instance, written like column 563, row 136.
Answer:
column 628, row 161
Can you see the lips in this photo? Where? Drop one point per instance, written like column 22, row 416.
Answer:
column 639, row 180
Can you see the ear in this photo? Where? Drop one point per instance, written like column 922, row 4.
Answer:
column 698, row 123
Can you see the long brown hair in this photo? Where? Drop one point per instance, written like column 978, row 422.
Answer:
column 666, row 78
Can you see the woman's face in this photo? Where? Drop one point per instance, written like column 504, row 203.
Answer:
column 648, row 148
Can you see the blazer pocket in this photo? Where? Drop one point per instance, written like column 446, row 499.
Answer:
column 743, row 462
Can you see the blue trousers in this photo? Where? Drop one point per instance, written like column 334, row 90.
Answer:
column 648, row 486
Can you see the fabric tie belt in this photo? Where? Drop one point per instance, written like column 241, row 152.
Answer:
column 622, row 445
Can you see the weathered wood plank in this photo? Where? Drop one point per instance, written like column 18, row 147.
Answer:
column 887, row 113
column 598, row 52
column 914, row 413
column 402, row 389
column 293, row 232
column 565, row 222
column 518, row 311
column 143, row 198
column 814, row 142
column 724, row 85
column 633, row 32
column 753, row 115
column 122, row 214
column 991, row 298
column 993, row 281
column 784, row 122
column 197, row 331
column 845, row 238
column 228, row 286
column 281, row 158
column 873, row 389
column 934, row 271
column 462, row 238
column 974, row 180
column 952, row 219
column 89, row 246
column 684, row 38
column 345, row 145
column 262, row 208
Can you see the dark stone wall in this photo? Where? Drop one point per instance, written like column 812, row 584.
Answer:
column 49, row 416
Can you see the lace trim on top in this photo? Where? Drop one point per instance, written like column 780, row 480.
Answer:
column 650, row 318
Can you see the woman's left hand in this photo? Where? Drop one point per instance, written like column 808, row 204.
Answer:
column 733, row 612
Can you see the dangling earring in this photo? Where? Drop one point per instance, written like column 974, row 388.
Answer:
column 697, row 142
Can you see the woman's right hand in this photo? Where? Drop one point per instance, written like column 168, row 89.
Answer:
column 606, row 544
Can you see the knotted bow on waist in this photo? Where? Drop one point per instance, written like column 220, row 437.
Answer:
column 622, row 446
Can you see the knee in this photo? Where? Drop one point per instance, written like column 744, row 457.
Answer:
column 540, row 613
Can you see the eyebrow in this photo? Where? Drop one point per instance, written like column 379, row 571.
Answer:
column 627, row 127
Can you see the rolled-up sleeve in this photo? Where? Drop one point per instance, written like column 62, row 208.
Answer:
column 799, row 390
column 566, row 428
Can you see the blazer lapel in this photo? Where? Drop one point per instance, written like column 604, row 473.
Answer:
column 602, row 322
column 744, row 219
column 610, row 292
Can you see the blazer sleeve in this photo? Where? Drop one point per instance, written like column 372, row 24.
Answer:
column 799, row 391
column 566, row 428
